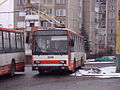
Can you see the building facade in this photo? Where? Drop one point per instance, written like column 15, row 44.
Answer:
column 19, row 14
column 100, row 20
column 111, row 25
column 68, row 12
column 106, row 26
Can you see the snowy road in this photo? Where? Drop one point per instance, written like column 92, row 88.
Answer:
column 32, row 81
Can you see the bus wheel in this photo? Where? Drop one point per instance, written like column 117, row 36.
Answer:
column 12, row 69
column 74, row 66
column 82, row 63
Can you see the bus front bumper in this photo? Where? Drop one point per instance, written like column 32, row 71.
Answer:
column 50, row 68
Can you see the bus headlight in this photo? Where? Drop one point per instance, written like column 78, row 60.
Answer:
column 36, row 62
column 62, row 62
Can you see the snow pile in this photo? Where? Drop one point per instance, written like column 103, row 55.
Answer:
column 105, row 72
column 99, row 62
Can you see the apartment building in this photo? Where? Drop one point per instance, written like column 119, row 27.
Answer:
column 68, row 12
column 105, row 26
column 100, row 20
column 100, row 23
column 111, row 25
column 19, row 14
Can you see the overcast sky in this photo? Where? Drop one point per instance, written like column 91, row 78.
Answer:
column 6, row 19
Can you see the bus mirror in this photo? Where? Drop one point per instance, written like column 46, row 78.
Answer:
column 72, row 43
column 28, row 37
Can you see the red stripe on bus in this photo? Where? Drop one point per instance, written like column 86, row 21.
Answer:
column 6, row 29
column 6, row 69
column 19, row 66
column 50, row 62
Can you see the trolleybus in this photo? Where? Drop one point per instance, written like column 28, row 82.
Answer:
column 11, row 51
column 57, row 49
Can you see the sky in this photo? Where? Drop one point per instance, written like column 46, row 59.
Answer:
column 6, row 19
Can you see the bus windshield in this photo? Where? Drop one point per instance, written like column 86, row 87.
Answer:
column 50, row 44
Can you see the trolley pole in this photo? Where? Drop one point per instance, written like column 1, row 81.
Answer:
column 118, row 39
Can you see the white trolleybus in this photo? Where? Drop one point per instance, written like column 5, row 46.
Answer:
column 11, row 51
column 55, row 49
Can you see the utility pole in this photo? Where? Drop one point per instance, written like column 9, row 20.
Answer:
column 118, row 39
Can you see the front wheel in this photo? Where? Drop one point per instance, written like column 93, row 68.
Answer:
column 41, row 72
column 12, row 69
column 74, row 66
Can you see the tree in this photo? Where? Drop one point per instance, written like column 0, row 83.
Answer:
column 86, row 40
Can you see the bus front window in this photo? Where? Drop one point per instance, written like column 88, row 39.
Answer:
column 51, row 45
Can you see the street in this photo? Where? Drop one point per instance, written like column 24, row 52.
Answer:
column 31, row 80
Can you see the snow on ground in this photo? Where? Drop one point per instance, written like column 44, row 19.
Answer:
column 98, row 62
column 104, row 72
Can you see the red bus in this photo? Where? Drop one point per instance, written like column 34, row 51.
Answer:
column 11, row 51
column 57, row 49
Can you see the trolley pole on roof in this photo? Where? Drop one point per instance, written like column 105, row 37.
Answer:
column 118, row 39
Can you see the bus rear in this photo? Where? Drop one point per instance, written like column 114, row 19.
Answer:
column 12, row 56
column 50, row 50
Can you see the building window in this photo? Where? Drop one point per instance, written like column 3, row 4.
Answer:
column 28, row 12
column 112, row 8
column 21, row 2
column 21, row 13
column 60, row 12
column 112, row 0
column 46, row 1
column 111, row 15
column 60, row 1
column 20, row 24
column 111, row 31
column 45, row 24
column 112, row 23
column 47, row 11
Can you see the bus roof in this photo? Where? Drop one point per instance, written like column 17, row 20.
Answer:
column 13, row 30
column 71, row 31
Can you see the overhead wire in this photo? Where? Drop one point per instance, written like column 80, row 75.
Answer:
column 3, row 2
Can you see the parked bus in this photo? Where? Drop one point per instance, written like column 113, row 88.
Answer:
column 57, row 49
column 11, row 51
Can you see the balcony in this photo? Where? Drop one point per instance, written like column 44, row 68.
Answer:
column 31, row 17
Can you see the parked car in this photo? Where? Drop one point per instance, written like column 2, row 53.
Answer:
column 104, row 59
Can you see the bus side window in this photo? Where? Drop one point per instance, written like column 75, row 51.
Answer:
column 6, row 37
column 1, row 45
column 22, row 40
column 72, row 43
column 12, row 40
column 18, row 40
